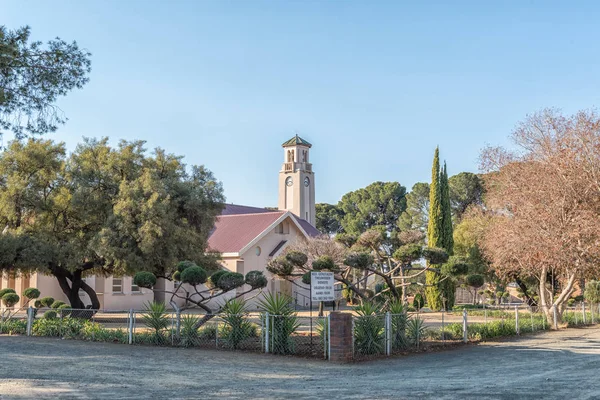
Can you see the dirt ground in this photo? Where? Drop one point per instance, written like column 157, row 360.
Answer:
column 550, row 365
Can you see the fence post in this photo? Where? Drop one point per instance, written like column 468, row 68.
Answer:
column 329, row 336
column 266, row 332
column 130, row 326
column 484, row 314
column 443, row 328
column 217, row 333
column 592, row 312
column 29, row 320
column 583, row 311
column 465, row 337
column 517, row 320
column 388, row 334
column 555, row 316
column 531, row 314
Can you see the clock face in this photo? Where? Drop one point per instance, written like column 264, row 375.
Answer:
column 306, row 181
column 289, row 181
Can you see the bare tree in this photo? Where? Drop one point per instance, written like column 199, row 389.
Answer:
column 544, row 199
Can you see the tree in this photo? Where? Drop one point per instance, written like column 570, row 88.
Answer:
column 544, row 203
column 466, row 190
column 434, row 233
column 448, row 285
column 32, row 78
column 200, row 288
column 103, row 210
column 367, row 258
column 328, row 218
column 379, row 204
column 416, row 215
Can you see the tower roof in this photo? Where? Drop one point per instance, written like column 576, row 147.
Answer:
column 296, row 140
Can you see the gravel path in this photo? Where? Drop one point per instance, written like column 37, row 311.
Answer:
column 551, row 365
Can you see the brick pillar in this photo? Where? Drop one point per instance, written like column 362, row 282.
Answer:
column 340, row 337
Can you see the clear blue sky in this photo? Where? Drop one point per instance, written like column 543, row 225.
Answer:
column 374, row 85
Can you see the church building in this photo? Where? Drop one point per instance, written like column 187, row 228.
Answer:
column 247, row 238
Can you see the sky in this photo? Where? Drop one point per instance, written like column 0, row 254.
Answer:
column 375, row 86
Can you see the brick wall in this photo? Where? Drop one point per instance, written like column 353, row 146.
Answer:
column 340, row 337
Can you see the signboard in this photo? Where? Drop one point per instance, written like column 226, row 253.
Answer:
column 321, row 286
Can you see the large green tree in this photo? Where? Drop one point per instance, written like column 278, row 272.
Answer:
column 466, row 189
column 379, row 204
column 33, row 77
column 102, row 210
column 448, row 284
column 328, row 218
column 416, row 215
column 434, row 233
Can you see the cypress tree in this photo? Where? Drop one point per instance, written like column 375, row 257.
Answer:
column 447, row 286
column 434, row 233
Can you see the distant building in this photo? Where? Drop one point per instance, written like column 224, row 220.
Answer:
column 247, row 238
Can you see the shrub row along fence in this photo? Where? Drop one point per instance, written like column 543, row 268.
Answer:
column 372, row 334
column 277, row 334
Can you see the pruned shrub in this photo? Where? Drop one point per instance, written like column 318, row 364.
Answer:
column 47, row 301
column 5, row 291
column 214, row 278
column 183, row 265
column 194, row 275
column 230, row 281
column 256, row 279
column 144, row 279
column 50, row 314
column 10, row 299
column 57, row 304
column 31, row 293
column 418, row 301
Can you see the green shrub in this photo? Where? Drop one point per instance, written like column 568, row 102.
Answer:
column 208, row 332
column 37, row 304
column 283, row 322
column 47, row 301
column 66, row 327
column 156, row 319
column 237, row 327
column 256, row 279
column 13, row 327
column 31, row 293
column 10, row 299
column 5, row 291
column 194, row 275
column 144, row 279
column 214, row 278
column 189, row 330
column 230, row 281
column 399, row 321
column 416, row 331
column 418, row 301
column 57, row 304
column 50, row 315
column 183, row 265
column 369, row 335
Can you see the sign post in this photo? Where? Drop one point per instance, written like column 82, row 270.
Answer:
column 321, row 286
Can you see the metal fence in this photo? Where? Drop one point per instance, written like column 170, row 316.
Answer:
column 256, row 332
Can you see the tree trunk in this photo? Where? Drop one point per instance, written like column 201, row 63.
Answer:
column 70, row 283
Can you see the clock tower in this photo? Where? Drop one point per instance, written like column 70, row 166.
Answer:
column 297, row 180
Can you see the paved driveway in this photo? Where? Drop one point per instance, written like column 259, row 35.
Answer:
column 550, row 365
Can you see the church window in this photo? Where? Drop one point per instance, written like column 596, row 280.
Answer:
column 258, row 250
column 117, row 284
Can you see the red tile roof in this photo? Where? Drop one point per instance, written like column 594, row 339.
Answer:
column 233, row 232
column 239, row 225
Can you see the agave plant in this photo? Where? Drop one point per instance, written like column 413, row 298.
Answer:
column 369, row 332
column 156, row 319
column 283, row 322
column 189, row 330
column 237, row 327
column 399, row 321
column 416, row 331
